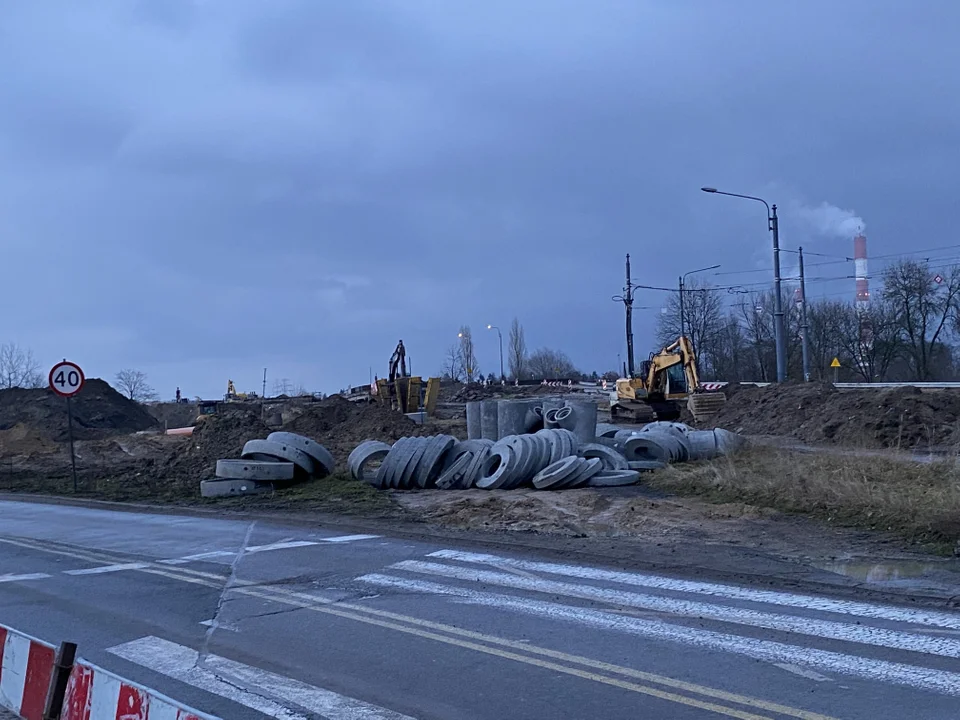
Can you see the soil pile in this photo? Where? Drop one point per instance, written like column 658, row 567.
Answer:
column 98, row 411
column 459, row 392
column 818, row 413
column 340, row 425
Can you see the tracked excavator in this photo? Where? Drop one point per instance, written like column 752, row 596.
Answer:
column 665, row 381
column 401, row 391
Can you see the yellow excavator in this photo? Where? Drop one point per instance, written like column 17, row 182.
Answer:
column 665, row 381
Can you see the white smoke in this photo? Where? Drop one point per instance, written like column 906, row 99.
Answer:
column 832, row 221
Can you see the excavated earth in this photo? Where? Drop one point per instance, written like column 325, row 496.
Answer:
column 820, row 414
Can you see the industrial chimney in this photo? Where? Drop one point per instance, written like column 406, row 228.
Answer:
column 860, row 263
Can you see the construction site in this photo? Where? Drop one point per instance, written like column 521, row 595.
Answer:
column 813, row 456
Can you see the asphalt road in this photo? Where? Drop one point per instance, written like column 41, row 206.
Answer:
column 250, row 620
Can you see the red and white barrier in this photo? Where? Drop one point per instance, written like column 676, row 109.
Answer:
column 25, row 673
column 96, row 694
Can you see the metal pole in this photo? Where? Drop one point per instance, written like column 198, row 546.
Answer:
column 264, row 395
column 628, row 302
column 682, row 328
column 57, row 690
column 73, row 457
column 500, row 338
column 803, row 323
column 778, row 329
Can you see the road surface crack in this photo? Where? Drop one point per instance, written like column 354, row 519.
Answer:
column 221, row 600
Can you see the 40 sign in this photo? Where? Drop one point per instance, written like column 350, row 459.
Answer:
column 66, row 379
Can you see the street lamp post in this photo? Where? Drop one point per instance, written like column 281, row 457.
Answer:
column 773, row 224
column 682, row 280
column 500, row 338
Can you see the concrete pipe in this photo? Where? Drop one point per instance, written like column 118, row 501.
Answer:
column 703, row 444
column 533, row 420
column 488, row 420
column 585, row 414
column 363, row 454
column 511, row 417
column 727, row 442
column 432, row 461
column 271, row 450
column 566, row 418
column 474, row 430
column 607, row 430
column 612, row 460
column 227, row 488
column 614, row 478
column 321, row 456
column 550, row 419
column 255, row 470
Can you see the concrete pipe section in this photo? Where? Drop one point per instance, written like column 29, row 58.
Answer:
column 611, row 459
column 614, row 478
column 323, row 460
column 367, row 452
column 269, row 471
column 585, row 419
column 474, row 421
column 228, row 488
column 414, row 462
column 488, row 420
column 270, row 450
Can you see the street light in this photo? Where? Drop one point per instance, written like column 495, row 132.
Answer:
column 500, row 338
column 682, row 279
column 773, row 224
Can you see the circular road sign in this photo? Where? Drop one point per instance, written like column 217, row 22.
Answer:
column 66, row 379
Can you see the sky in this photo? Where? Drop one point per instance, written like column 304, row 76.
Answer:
column 201, row 189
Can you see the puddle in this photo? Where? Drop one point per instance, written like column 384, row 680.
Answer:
column 904, row 573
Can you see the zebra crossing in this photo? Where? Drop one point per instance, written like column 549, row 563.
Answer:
column 821, row 636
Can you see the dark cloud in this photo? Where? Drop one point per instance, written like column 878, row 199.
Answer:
column 204, row 188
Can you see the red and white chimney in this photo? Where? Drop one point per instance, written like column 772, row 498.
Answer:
column 860, row 263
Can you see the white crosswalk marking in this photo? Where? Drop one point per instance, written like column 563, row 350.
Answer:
column 514, row 585
column 107, row 569
column 348, row 538
column 21, row 578
column 732, row 592
column 280, row 546
column 788, row 623
column 261, row 690
column 773, row 652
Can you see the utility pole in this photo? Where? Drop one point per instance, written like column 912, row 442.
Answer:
column 264, row 394
column 803, row 323
column 778, row 329
column 683, row 331
column 627, row 300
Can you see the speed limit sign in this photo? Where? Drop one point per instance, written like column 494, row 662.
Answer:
column 66, row 379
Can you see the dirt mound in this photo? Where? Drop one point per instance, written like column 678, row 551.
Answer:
column 98, row 411
column 819, row 413
column 340, row 425
column 459, row 392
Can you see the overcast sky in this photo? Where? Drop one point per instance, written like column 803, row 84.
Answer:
column 204, row 188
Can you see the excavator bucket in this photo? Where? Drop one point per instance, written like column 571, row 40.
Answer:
column 704, row 406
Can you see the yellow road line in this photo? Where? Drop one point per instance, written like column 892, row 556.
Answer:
column 384, row 618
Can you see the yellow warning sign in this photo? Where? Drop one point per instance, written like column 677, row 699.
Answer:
column 835, row 363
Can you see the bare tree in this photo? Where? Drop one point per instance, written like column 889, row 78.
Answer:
column 702, row 321
column 546, row 363
column 453, row 363
column 870, row 338
column 299, row 390
column 467, row 354
column 133, row 384
column 18, row 368
column 517, row 351
column 924, row 309
column 756, row 320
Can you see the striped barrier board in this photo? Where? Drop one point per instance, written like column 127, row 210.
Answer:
column 25, row 673
column 97, row 694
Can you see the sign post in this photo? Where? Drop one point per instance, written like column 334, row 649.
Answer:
column 836, row 369
column 66, row 380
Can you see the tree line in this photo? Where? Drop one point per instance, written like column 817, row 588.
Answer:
column 909, row 330
column 461, row 362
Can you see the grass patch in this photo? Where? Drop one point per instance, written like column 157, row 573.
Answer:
column 920, row 501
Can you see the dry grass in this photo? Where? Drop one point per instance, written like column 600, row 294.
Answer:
column 920, row 501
